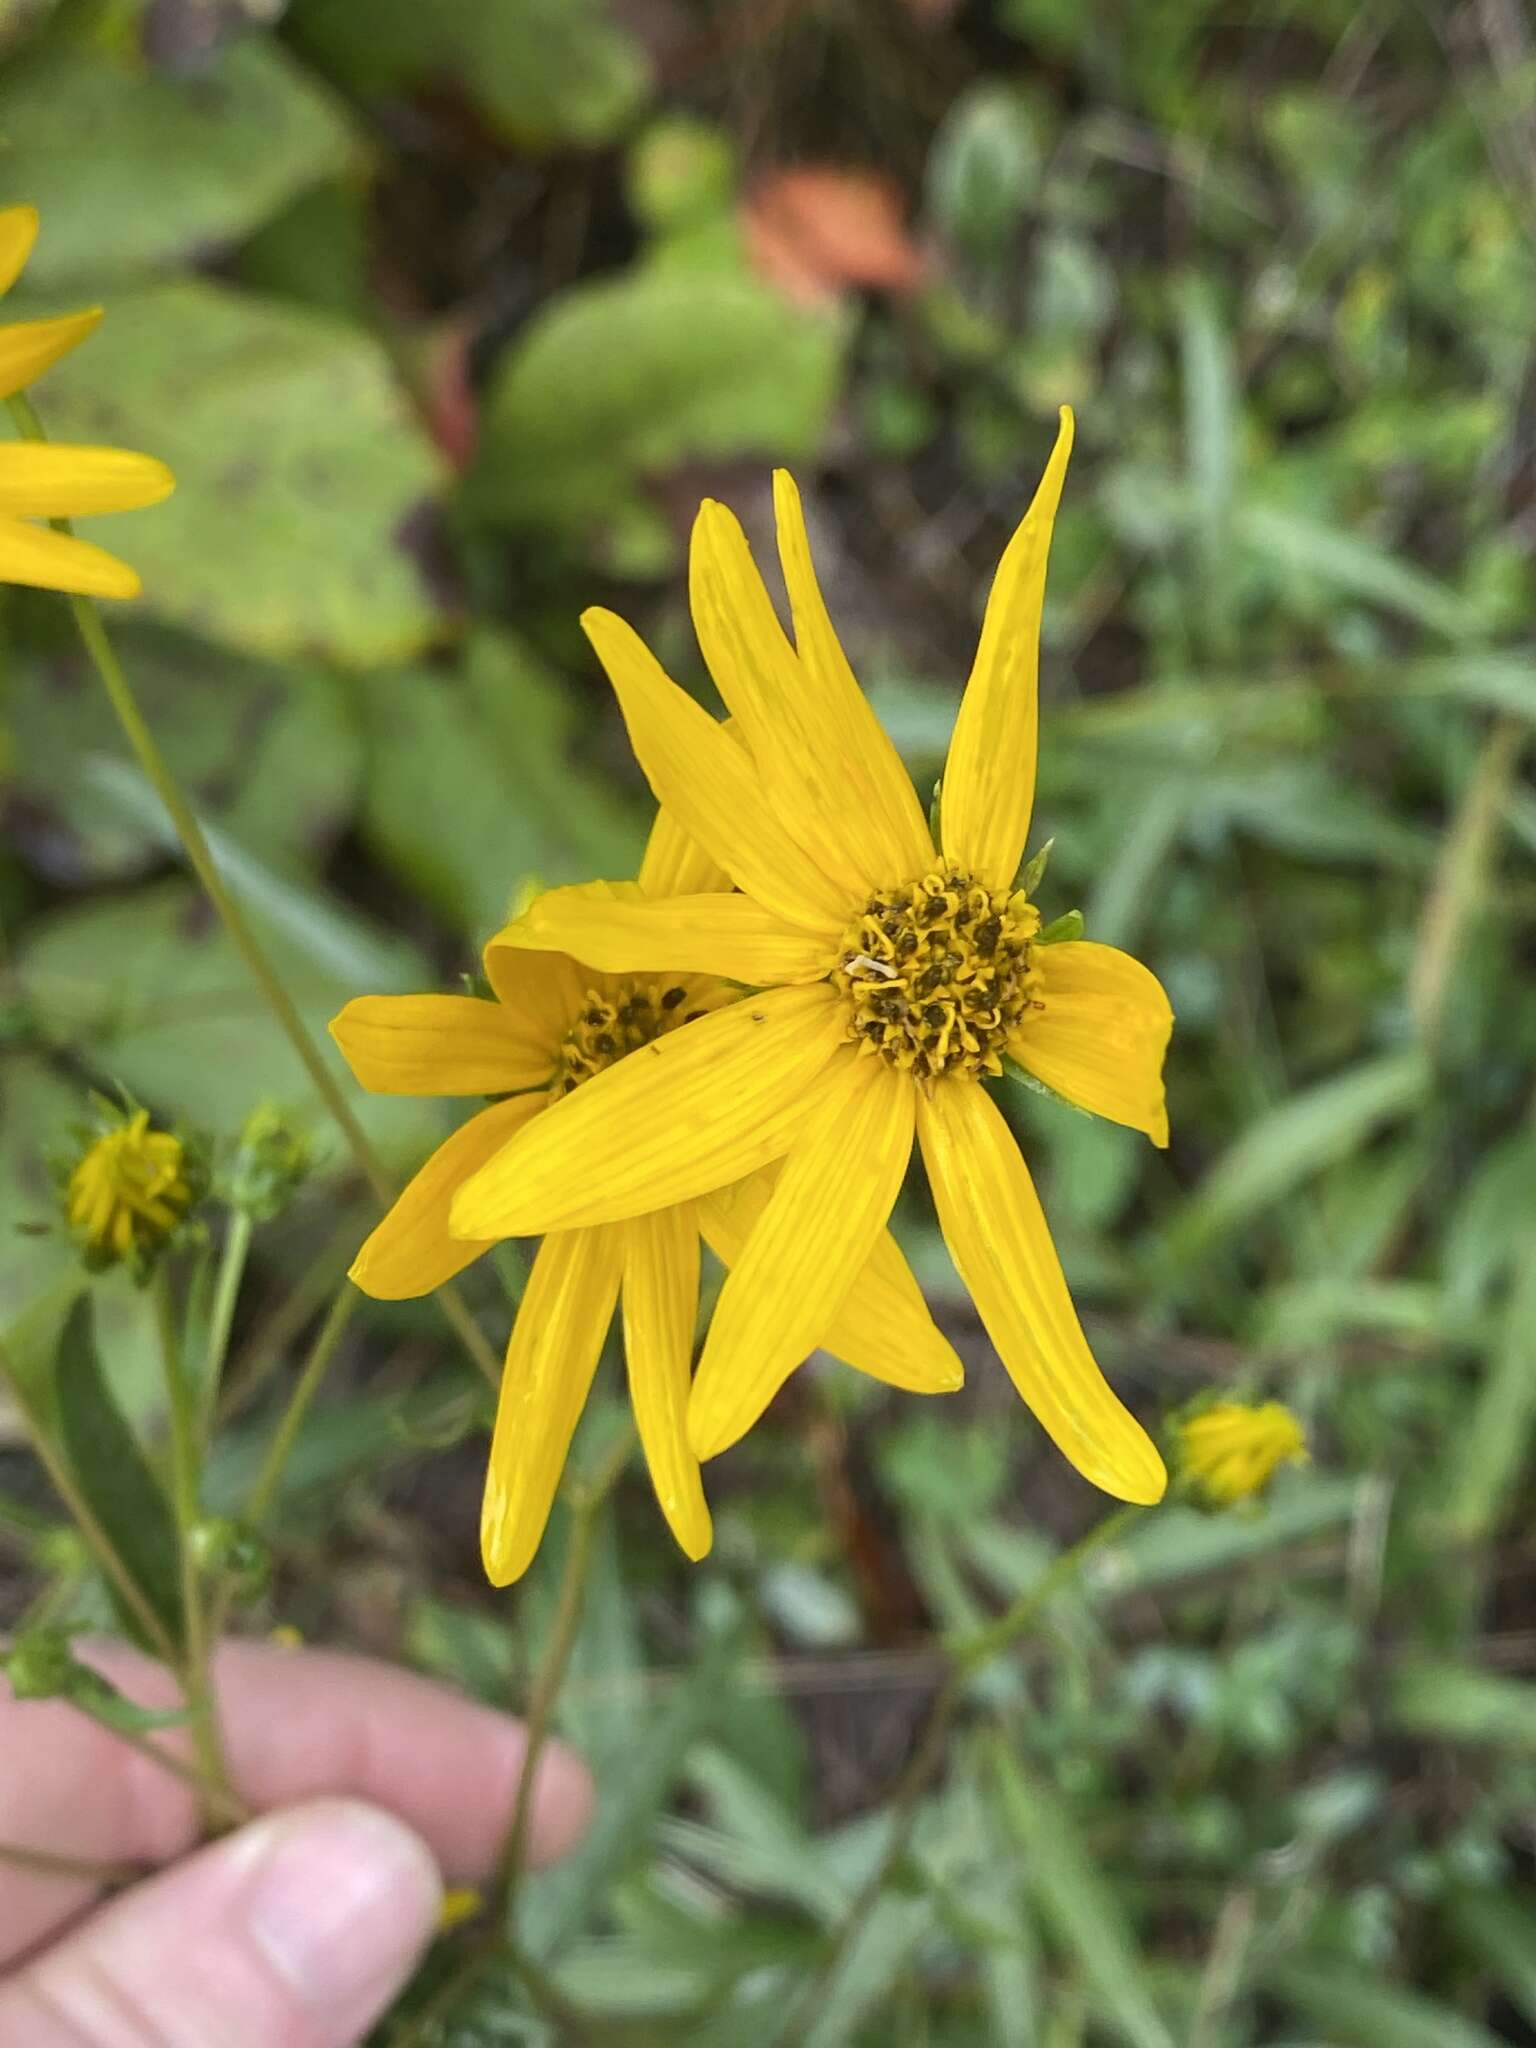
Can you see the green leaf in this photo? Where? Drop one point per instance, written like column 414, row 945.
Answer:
column 1500, row 1930
column 1283, row 1150
column 1354, row 567
column 620, row 380
column 1076, row 1905
column 300, row 471
column 114, row 1475
column 135, row 170
column 1448, row 1702
column 546, row 71
column 1354, row 2009
column 1486, row 1455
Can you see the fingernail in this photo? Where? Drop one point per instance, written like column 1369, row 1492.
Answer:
column 341, row 1896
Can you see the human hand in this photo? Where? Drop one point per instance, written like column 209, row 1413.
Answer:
column 296, row 1931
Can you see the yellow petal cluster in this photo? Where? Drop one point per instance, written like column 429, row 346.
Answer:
column 1230, row 1451
column 128, row 1190
column 39, row 481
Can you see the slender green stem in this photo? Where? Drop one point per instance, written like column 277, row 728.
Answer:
column 182, row 1410
column 96, row 1538
column 221, row 1316
column 46, row 1863
column 308, row 1384
column 966, row 1654
column 586, row 1500
column 157, row 770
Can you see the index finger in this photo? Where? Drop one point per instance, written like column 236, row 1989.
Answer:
column 296, row 1724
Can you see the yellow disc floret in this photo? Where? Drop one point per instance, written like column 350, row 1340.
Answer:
column 129, row 1190
column 611, row 1024
column 938, row 974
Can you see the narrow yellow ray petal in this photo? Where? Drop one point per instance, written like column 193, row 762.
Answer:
column 1000, row 1242
column 879, row 792
column 661, row 1306
column 704, row 776
column 1100, row 1034
column 28, row 347
column 18, row 231
column 438, row 1045
column 674, row 864
column 45, row 480
column 614, row 926
column 989, row 778
column 797, row 749
column 828, row 1208
column 688, row 1112
column 45, row 560
column 411, row 1252
column 555, row 1345
column 540, row 992
column 883, row 1327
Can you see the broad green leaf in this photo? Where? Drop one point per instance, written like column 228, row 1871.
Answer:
column 868, row 1971
column 1297, row 1139
column 134, row 170
column 1447, row 1702
column 1487, row 1454
column 983, row 169
column 114, row 1475
column 1355, row 567
column 301, row 475
column 547, row 72
column 1356, row 2011
column 1500, row 1929
column 270, row 750
column 622, row 379
column 1077, row 1905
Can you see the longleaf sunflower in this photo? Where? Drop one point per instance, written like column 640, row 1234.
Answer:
column 41, row 480
column 551, row 1030
column 896, row 975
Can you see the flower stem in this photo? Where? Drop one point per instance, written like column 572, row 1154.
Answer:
column 226, row 1290
column 100, row 1544
column 182, row 1409
column 300, row 1400
column 966, row 1655
column 48, row 1863
column 157, row 770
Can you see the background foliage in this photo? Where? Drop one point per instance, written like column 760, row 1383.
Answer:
column 446, row 316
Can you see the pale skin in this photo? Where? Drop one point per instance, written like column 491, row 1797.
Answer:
column 372, row 1790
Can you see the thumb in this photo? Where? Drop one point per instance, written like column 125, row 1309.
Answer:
column 294, row 1933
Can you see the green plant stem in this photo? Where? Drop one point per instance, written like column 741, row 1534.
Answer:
column 96, row 1538
column 585, row 1501
column 162, row 780
column 46, row 1863
column 182, row 1409
column 308, row 1384
column 966, row 1655
column 221, row 1316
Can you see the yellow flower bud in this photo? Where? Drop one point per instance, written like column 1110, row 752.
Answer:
column 1230, row 1451
column 128, row 1191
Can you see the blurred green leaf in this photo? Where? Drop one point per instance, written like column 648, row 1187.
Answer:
column 1500, row 1930
column 1445, row 1702
column 1358, row 2013
column 114, row 1476
column 983, row 169
column 1355, row 567
column 133, row 171
column 620, row 380
column 547, row 72
column 302, row 480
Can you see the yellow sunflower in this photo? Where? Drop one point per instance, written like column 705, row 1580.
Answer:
column 39, row 480
column 896, row 975
column 552, row 1029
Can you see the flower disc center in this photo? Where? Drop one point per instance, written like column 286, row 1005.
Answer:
column 938, row 974
column 610, row 1026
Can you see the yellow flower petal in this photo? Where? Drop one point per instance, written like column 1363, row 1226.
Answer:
column 29, row 347
column 689, row 1112
column 674, row 864
column 827, row 1209
column 614, row 927
column 796, row 747
column 661, row 1307
column 704, row 776
column 411, row 1252
column 42, row 480
column 438, row 1045
column 57, row 561
column 883, row 1327
column 989, row 778
column 540, row 992
column 879, row 803
column 1100, row 1037
column 556, row 1343
column 18, row 231
column 1000, row 1242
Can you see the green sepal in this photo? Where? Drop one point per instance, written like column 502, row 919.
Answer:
column 935, row 806
column 1015, row 1072
column 41, row 1665
column 1068, row 926
column 1032, row 874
